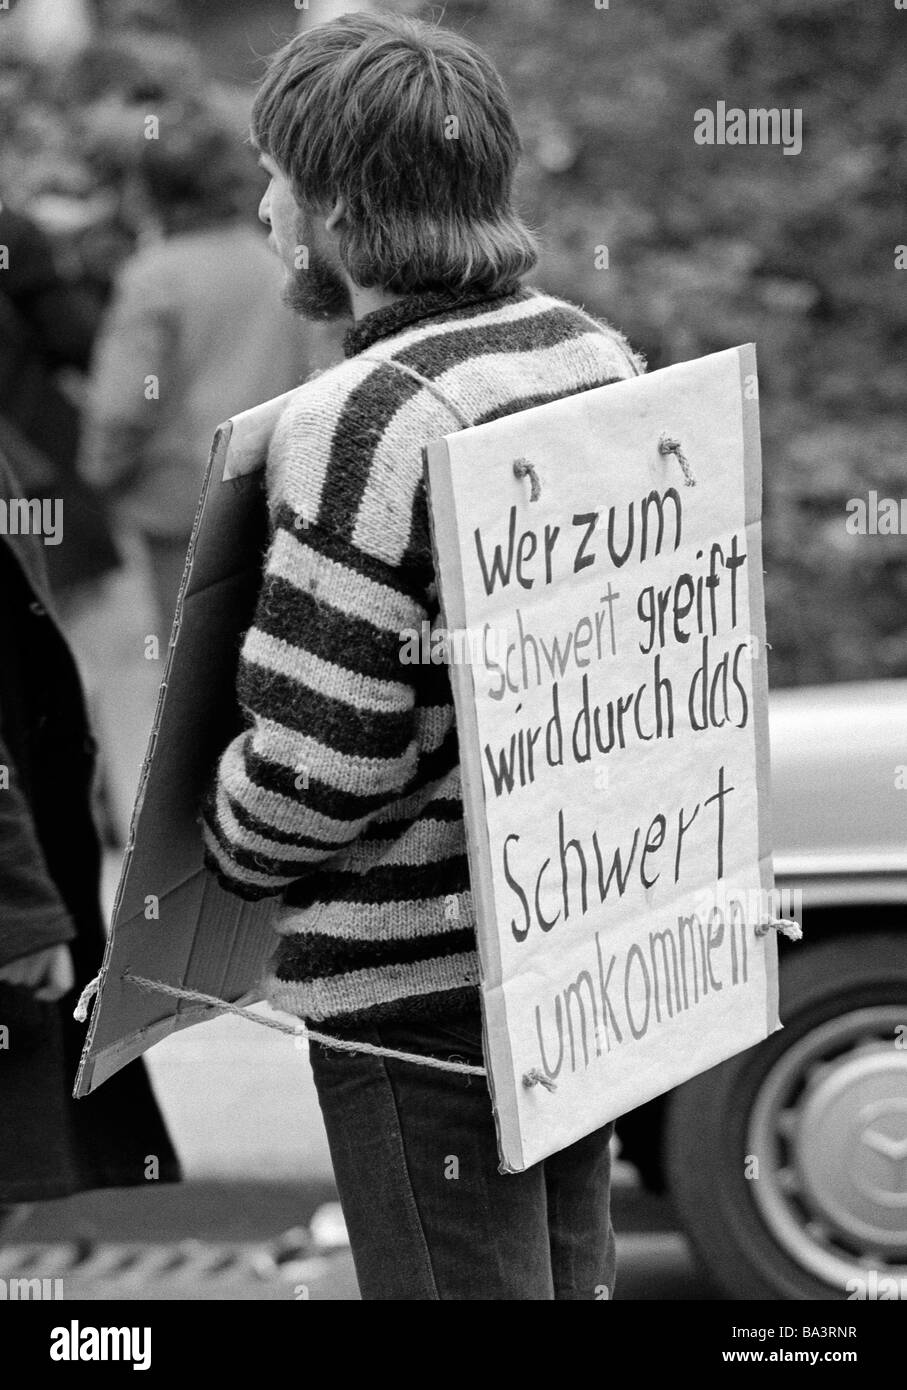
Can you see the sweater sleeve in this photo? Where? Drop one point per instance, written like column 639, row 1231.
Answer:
column 329, row 704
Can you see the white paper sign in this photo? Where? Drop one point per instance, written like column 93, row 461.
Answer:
column 613, row 739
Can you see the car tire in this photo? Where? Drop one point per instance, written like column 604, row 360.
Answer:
column 790, row 1225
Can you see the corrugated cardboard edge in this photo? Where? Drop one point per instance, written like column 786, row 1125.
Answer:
column 94, row 1069
column 239, row 448
column 752, row 465
column 446, row 549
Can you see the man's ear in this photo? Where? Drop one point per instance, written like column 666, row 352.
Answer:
column 336, row 215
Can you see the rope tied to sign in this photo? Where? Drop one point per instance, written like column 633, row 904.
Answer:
column 785, row 925
column 538, row 1078
column 80, row 1012
column 326, row 1039
column 522, row 468
column 531, row 1078
column 534, row 1077
column 668, row 445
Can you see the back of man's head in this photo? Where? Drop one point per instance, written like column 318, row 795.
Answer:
column 410, row 125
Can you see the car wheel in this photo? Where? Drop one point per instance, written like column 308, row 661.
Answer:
column 788, row 1163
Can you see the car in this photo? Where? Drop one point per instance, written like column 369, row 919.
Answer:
column 787, row 1164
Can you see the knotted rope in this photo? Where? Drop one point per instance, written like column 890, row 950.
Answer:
column 792, row 930
column 522, row 468
column 327, row 1040
column 538, row 1078
column 534, row 1077
column 667, row 445
column 80, row 1012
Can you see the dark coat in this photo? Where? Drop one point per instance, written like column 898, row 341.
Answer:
column 47, row 324
column 50, row 1144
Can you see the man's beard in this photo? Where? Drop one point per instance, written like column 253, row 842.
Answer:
column 318, row 292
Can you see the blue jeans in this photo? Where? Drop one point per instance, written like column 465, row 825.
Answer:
column 416, row 1165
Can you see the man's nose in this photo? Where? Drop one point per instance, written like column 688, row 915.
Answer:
column 264, row 209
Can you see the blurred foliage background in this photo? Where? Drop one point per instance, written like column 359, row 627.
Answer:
column 708, row 247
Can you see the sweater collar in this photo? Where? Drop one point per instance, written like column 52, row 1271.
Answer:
column 413, row 308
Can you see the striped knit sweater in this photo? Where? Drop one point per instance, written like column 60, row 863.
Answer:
column 342, row 796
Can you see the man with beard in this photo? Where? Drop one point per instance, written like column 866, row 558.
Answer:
column 391, row 150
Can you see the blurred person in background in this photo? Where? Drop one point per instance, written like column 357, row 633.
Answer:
column 72, row 159
column 47, row 325
column 190, row 337
column 51, row 931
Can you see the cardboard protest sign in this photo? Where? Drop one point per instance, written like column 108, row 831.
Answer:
column 172, row 922
column 606, row 636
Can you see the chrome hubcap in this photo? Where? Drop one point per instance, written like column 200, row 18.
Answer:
column 829, row 1128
